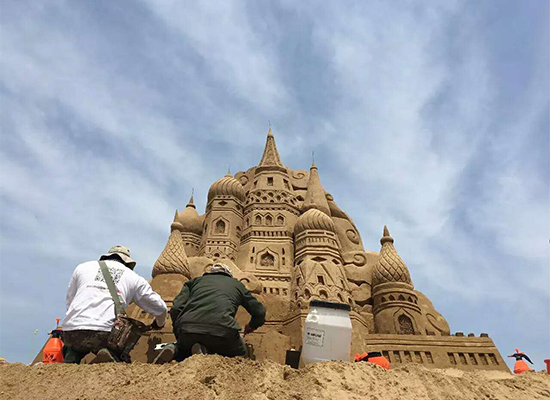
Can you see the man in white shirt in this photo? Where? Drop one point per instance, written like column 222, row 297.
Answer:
column 91, row 309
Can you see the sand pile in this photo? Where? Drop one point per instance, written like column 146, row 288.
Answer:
column 214, row 377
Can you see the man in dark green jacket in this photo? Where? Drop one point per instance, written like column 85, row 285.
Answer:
column 203, row 316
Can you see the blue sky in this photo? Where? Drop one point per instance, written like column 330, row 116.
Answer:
column 430, row 117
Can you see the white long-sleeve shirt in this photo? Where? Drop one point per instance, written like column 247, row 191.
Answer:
column 89, row 302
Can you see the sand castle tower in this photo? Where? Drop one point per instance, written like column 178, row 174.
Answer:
column 396, row 308
column 189, row 224
column 223, row 222
column 271, row 210
column 318, row 271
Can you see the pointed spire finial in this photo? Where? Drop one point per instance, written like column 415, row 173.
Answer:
column 191, row 202
column 229, row 171
column 386, row 237
column 271, row 155
column 176, row 216
column 315, row 195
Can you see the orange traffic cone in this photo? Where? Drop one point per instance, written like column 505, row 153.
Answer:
column 53, row 351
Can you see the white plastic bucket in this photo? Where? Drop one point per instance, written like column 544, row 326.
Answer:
column 327, row 332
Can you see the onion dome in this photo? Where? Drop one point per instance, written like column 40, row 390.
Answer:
column 173, row 259
column 188, row 220
column 390, row 267
column 314, row 219
column 226, row 186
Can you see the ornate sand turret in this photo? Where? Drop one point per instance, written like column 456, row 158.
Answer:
column 318, row 272
column 189, row 224
column 222, row 227
column 396, row 308
column 173, row 259
column 267, row 247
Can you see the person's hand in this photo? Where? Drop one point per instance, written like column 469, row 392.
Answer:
column 248, row 329
column 155, row 325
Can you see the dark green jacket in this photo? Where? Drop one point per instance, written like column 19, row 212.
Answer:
column 208, row 305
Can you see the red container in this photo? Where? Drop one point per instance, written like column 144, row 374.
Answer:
column 53, row 351
column 547, row 361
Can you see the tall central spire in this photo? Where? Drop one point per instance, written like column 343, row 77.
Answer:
column 315, row 195
column 271, row 155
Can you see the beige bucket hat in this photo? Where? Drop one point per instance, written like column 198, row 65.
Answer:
column 219, row 268
column 123, row 253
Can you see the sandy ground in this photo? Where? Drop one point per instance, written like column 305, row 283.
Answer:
column 215, row 377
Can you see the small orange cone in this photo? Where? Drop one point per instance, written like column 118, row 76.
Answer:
column 53, row 351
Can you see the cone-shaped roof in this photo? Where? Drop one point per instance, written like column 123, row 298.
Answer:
column 390, row 267
column 271, row 155
column 173, row 259
column 315, row 195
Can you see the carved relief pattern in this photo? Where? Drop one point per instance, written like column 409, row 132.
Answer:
column 390, row 267
column 173, row 259
column 260, row 196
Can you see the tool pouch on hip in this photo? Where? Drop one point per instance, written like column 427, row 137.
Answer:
column 124, row 335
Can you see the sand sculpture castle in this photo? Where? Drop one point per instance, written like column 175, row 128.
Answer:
column 287, row 240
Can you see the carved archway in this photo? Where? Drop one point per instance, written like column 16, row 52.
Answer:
column 404, row 323
column 220, row 226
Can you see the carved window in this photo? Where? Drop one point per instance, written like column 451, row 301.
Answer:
column 258, row 220
column 280, row 220
column 220, row 227
column 323, row 294
column 270, row 181
column 401, row 297
column 307, row 294
column 267, row 260
column 269, row 220
column 321, row 279
column 405, row 325
column 340, row 298
column 298, row 281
